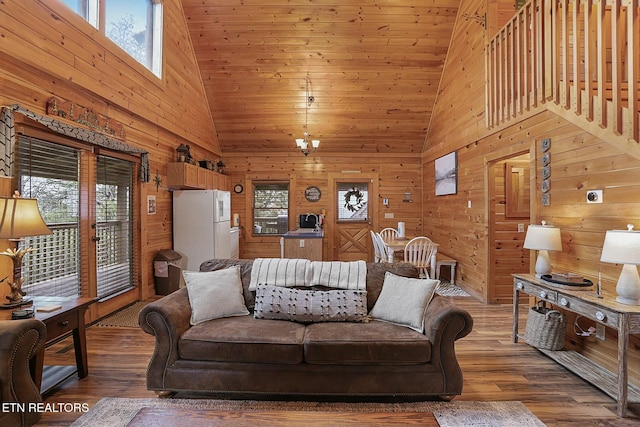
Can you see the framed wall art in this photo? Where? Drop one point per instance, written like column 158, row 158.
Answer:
column 447, row 174
column 151, row 205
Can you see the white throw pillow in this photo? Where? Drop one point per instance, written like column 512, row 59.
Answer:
column 404, row 301
column 215, row 294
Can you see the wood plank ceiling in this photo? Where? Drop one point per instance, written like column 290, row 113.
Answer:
column 374, row 68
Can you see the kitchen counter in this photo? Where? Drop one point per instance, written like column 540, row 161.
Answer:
column 303, row 243
column 304, row 233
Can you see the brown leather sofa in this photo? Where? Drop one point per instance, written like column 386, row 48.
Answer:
column 20, row 340
column 243, row 355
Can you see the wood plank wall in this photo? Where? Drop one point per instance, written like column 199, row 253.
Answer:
column 397, row 174
column 579, row 161
column 47, row 50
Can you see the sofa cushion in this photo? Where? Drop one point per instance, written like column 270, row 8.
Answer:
column 403, row 301
column 244, row 340
column 302, row 305
column 280, row 272
column 373, row 343
column 340, row 275
column 245, row 274
column 215, row 294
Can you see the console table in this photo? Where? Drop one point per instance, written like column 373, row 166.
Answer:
column 606, row 310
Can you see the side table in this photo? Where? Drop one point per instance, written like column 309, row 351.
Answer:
column 69, row 318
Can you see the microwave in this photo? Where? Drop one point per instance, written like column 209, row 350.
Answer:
column 308, row 220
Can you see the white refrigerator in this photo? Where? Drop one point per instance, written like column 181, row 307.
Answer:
column 201, row 226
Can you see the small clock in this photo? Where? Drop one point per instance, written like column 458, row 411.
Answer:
column 238, row 188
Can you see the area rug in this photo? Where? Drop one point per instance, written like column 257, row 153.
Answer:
column 125, row 318
column 118, row 412
column 446, row 289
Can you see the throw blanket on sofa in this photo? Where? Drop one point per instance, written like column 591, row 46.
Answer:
column 302, row 272
column 280, row 272
column 341, row 275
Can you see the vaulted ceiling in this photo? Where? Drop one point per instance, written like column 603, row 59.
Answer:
column 374, row 69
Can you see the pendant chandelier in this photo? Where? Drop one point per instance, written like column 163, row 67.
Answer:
column 305, row 144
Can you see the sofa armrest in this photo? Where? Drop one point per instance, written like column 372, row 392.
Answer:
column 445, row 323
column 20, row 341
column 440, row 312
column 167, row 319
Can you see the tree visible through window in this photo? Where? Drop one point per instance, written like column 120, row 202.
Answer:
column 131, row 25
column 134, row 25
column 270, row 208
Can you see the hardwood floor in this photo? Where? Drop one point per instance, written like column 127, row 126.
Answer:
column 494, row 369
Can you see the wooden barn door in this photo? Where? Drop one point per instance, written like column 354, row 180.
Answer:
column 352, row 216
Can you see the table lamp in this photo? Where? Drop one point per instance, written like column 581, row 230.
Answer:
column 543, row 238
column 19, row 218
column 623, row 247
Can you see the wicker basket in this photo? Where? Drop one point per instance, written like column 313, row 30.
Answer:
column 546, row 328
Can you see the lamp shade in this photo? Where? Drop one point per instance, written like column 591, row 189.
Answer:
column 21, row 218
column 543, row 237
column 621, row 247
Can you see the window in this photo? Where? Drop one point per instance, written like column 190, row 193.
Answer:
column 134, row 25
column 270, row 208
column 88, row 9
column 352, row 201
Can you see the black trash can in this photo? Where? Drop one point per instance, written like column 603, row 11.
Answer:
column 167, row 269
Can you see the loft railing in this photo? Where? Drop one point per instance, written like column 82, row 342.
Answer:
column 570, row 56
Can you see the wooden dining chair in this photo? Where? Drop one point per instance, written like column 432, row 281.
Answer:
column 388, row 233
column 380, row 249
column 418, row 251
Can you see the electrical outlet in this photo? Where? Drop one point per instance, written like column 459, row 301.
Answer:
column 389, row 215
column 600, row 331
column 301, row 243
column 520, row 228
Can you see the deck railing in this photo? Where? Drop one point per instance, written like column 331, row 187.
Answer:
column 52, row 268
column 578, row 56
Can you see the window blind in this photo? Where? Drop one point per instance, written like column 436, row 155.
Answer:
column 114, row 231
column 49, row 172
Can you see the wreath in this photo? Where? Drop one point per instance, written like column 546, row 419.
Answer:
column 353, row 205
